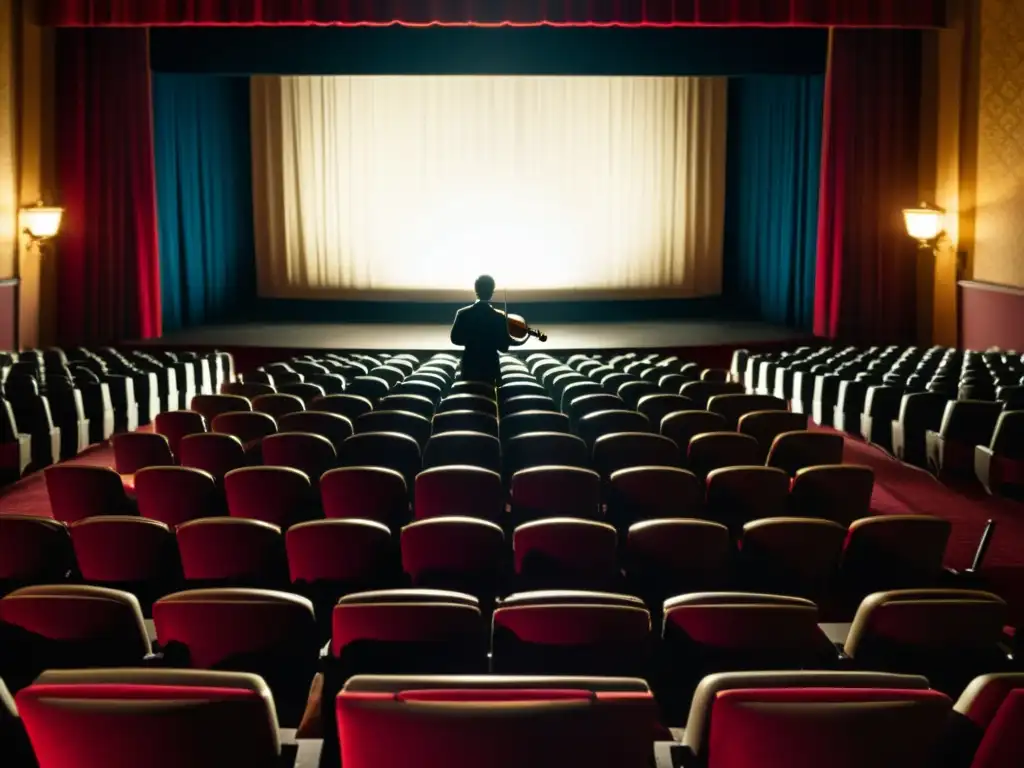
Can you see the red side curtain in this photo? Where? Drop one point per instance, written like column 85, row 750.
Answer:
column 896, row 13
column 109, row 277
column 866, row 273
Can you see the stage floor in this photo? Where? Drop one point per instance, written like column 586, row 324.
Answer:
column 388, row 337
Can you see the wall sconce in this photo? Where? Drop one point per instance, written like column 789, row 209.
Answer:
column 925, row 224
column 40, row 223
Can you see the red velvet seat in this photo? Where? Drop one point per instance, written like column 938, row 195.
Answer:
column 543, row 727
column 278, row 405
column 33, row 550
column 212, row 406
column 999, row 466
column 733, row 407
column 791, row 556
column 467, row 402
column 334, row 427
column 633, row 449
column 263, row 632
column 305, row 391
column 459, row 490
column 308, row 453
column 278, row 495
column 60, row 626
column 664, row 558
column 650, row 493
column 682, row 426
column 175, row 425
column 470, row 448
column 82, row 719
column 465, row 421
column 839, row 492
column 659, row 405
column 232, row 551
column 765, row 426
column 350, row 406
column 78, row 491
column 248, row 426
column 212, row 452
column 697, row 745
column 522, row 422
column 523, row 403
column 402, row 422
column 133, row 554
column 571, row 633
column 966, row 424
column 950, row 636
column 708, row 632
column 992, row 710
column 247, row 389
column 792, row 451
column 710, row 451
column 702, row 391
column 174, row 495
column 538, row 449
column 565, row 553
column 597, row 424
column 331, row 558
column 884, row 728
column 555, row 491
column 409, row 403
column 893, row 552
column 455, row 553
column 137, row 450
column 390, row 450
column 372, row 493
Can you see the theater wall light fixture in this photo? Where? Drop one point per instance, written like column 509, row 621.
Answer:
column 926, row 224
column 40, row 223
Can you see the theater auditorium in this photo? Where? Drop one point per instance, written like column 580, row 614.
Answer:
column 721, row 465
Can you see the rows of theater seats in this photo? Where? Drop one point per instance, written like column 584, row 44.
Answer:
column 54, row 404
column 950, row 635
column 87, row 719
column 957, row 413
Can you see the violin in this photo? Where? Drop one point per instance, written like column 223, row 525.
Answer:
column 518, row 328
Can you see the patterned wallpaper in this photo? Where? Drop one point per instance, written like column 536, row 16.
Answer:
column 999, row 244
column 8, row 148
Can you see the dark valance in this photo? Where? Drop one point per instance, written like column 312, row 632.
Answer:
column 589, row 13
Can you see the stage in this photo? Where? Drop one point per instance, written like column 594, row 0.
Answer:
column 705, row 341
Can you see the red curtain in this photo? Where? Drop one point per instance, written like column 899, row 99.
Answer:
column 866, row 274
column 896, row 13
column 108, row 271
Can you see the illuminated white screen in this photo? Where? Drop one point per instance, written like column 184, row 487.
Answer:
column 410, row 187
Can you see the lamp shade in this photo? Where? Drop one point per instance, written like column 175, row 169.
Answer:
column 41, row 221
column 923, row 223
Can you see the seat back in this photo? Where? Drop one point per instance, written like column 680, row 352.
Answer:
column 78, row 491
column 739, row 495
column 390, row 450
column 894, row 552
column 465, row 421
column 765, row 426
column 125, row 551
column 838, row 492
column 373, row 493
column 463, row 554
column 174, row 495
column 33, row 550
column 333, row 426
column 121, row 718
column 733, row 407
column 633, row 449
column 311, row 454
column 672, row 557
column 659, row 405
column 212, row 452
column 460, row 490
column 565, row 553
column 599, row 423
column 791, row 556
column 231, row 551
column 709, row 451
column 247, row 426
column 555, row 491
column 992, row 712
column 174, row 425
column 350, row 406
column 466, row 448
column 650, row 493
column 543, row 728
column 522, row 422
column 682, row 426
column 278, row 495
column 792, row 451
column 137, row 450
column 521, row 403
column 278, row 405
column 211, row 406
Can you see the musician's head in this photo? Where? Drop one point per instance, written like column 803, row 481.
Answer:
column 484, row 287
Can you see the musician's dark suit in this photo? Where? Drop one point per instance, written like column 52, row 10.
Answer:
column 483, row 331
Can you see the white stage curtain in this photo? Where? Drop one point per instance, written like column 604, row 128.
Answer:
column 559, row 187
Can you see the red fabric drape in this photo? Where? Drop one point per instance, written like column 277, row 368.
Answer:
column 896, row 13
column 866, row 274
column 108, row 272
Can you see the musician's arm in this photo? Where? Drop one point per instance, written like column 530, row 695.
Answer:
column 458, row 334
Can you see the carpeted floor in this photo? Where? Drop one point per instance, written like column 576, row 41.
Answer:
column 899, row 489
